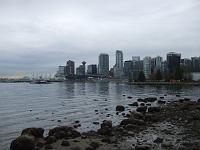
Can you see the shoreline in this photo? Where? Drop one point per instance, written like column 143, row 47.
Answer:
column 196, row 83
column 168, row 125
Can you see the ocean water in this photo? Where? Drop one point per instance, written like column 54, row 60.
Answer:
column 24, row 105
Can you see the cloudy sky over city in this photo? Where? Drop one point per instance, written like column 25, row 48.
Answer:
column 39, row 35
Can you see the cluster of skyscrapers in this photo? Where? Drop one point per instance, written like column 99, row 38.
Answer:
column 130, row 69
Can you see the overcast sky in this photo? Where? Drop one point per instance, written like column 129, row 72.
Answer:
column 39, row 35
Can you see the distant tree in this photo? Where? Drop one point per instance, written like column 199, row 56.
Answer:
column 158, row 75
column 178, row 74
column 141, row 77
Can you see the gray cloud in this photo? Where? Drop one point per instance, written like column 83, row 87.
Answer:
column 39, row 35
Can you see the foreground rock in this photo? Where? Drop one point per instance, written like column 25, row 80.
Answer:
column 174, row 125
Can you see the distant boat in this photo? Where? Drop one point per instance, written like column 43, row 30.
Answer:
column 40, row 81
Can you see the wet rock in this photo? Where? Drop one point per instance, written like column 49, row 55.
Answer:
column 104, row 131
column 64, row 132
column 142, row 109
column 90, row 148
column 177, row 95
column 48, row 146
column 106, row 128
column 24, row 142
column 36, row 132
column 77, row 125
column 106, row 140
column 151, row 118
column 142, row 100
column 58, row 120
column 161, row 102
column 158, row 140
column 65, row 143
column 120, row 108
column 96, row 110
column 151, row 99
column 132, row 121
column 148, row 104
column 136, row 115
column 96, row 123
column 133, row 104
column 154, row 109
column 51, row 139
column 129, row 97
column 106, row 123
column 77, row 121
column 198, row 100
column 162, row 97
column 142, row 104
column 94, row 145
column 142, row 147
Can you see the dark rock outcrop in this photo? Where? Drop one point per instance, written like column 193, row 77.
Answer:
column 35, row 132
column 142, row 109
column 24, row 142
column 120, row 108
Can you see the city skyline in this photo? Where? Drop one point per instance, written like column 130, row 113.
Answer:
column 37, row 36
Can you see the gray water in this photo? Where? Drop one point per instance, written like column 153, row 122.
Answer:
column 24, row 105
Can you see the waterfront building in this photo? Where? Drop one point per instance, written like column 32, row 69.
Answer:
column 103, row 66
column 158, row 62
column 137, row 68
column 128, row 69
column 92, row 69
column 147, row 67
column 186, row 65
column 195, row 64
column 173, row 62
column 164, row 68
column 61, row 72
column 153, row 65
column 81, row 69
column 70, row 68
column 118, row 68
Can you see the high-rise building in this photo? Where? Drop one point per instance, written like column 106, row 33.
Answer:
column 61, row 71
column 195, row 64
column 81, row 69
column 164, row 68
column 147, row 67
column 186, row 65
column 119, row 59
column 135, row 58
column 92, row 69
column 128, row 69
column 158, row 62
column 103, row 67
column 173, row 62
column 70, row 68
column 118, row 68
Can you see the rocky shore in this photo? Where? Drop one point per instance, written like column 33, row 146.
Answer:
column 173, row 125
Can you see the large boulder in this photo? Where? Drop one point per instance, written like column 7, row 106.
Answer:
column 24, row 142
column 106, row 128
column 36, row 132
column 106, row 123
column 64, row 132
column 120, row 108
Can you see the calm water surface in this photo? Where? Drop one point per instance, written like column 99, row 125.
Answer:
column 24, row 105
